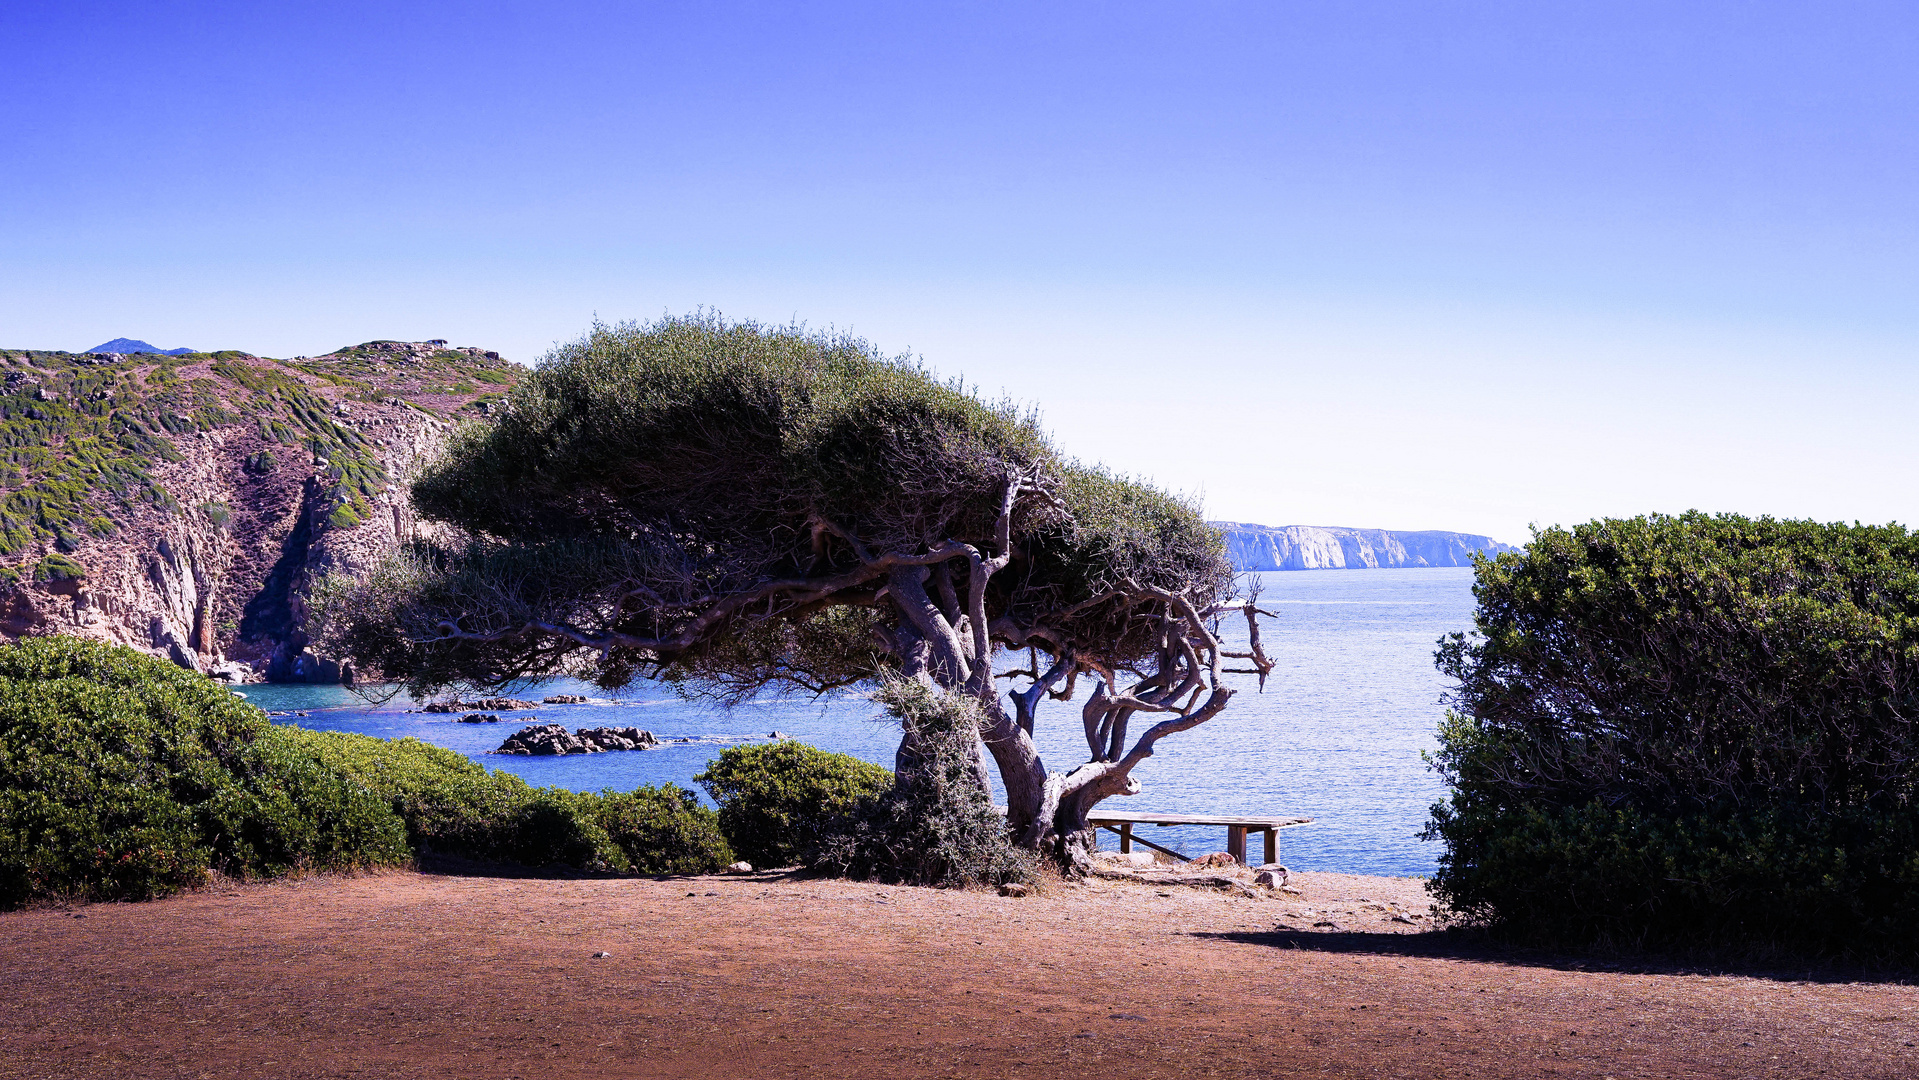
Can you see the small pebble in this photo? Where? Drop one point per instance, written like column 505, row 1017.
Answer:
column 602, row 956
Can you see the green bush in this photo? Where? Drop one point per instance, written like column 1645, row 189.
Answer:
column 1690, row 731
column 452, row 804
column 936, row 826
column 777, row 799
column 664, row 830
column 124, row 777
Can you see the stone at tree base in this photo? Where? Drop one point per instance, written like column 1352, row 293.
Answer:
column 1130, row 858
column 741, row 867
column 1013, row 889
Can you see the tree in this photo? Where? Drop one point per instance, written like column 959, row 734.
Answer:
column 737, row 508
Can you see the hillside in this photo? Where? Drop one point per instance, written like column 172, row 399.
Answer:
column 184, row 504
column 1334, row 547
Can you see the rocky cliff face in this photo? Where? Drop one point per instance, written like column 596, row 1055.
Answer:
column 185, row 505
column 1332, row 547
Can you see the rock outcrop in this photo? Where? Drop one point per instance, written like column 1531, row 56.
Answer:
column 496, row 704
column 1332, row 547
column 187, row 505
column 554, row 740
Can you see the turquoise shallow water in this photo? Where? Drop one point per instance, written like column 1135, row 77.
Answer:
column 1337, row 734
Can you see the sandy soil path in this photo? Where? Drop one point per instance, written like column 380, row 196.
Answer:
column 417, row 975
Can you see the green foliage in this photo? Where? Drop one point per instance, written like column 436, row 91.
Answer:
column 730, row 426
column 123, row 777
column 777, row 799
column 1690, row 731
column 645, row 467
column 57, row 567
column 936, row 826
column 79, row 439
column 664, row 830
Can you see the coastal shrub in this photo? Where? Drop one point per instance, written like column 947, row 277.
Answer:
column 1690, row 731
column 124, row 777
column 454, row 805
column 776, row 799
column 451, row 804
column 664, row 830
column 935, row 825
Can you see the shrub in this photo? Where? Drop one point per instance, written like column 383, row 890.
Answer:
column 1690, row 731
column 664, row 830
column 453, row 805
column 936, row 826
column 776, row 799
column 124, row 777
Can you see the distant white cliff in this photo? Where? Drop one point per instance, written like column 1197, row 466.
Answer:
column 1333, row 547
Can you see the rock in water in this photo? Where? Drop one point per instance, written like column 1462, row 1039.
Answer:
column 565, row 699
column 552, row 740
column 479, row 718
column 494, row 704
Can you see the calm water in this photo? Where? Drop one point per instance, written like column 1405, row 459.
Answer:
column 1336, row 736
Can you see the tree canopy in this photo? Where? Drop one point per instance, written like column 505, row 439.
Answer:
column 735, row 507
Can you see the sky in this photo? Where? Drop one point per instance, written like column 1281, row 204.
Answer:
column 1423, row 265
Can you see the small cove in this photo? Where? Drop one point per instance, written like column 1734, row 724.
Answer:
column 1337, row 734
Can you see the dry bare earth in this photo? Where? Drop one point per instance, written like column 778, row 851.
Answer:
column 409, row 974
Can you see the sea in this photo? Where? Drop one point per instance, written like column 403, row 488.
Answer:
column 1338, row 734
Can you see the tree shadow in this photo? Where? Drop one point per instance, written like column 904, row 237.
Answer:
column 1475, row 945
column 443, row 864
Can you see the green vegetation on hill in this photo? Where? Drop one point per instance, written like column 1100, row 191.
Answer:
column 123, row 777
column 1687, row 731
column 80, row 436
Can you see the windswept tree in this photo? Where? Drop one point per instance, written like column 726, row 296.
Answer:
column 734, row 508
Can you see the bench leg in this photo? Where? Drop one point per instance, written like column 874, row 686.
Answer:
column 1125, row 837
column 1272, row 847
column 1236, row 842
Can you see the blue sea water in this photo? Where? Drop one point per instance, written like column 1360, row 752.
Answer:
column 1336, row 735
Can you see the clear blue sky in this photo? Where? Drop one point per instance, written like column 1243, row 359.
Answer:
column 1413, row 265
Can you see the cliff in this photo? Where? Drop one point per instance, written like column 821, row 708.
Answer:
column 184, row 505
column 1333, row 547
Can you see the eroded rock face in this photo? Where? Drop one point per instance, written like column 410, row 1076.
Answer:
column 231, row 517
column 552, row 740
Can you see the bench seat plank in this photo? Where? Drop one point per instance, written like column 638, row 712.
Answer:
column 1104, row 817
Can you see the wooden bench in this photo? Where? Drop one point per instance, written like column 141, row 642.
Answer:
column 1236, row 829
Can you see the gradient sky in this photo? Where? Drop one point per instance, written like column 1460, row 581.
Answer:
column 1409, row 265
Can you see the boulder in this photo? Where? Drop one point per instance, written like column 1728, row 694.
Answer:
column 565, row 699
column 741, row 867
column 552, row 740
column 231, row 671
column 1130, row 858
column 612, row 738
column 479, row 718
column 1217, row 858
column 486, row 704
column 1271, row 877
column 545, row 740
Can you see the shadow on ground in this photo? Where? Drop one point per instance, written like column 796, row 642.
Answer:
column 1482, row 946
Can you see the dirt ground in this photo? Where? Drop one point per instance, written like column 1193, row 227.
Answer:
column 425, row 975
